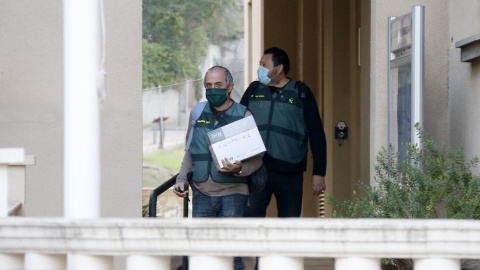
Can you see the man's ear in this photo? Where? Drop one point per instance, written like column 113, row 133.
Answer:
column 230, row 88
column 279, row 68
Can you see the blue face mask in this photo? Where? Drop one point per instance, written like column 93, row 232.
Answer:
column 263, row 75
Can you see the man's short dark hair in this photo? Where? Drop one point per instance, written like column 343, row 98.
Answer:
column 279, row 56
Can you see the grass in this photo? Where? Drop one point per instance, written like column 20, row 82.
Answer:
column 164, row 165
column 169, row 159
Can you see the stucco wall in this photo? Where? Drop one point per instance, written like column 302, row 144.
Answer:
column 31, row 103
column 435, row 96
column 464, row 80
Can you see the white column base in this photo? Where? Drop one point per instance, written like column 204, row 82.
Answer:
column 135, row 262
column 11, row 261
column 357, row 264
column 436, row 263
column 37, row 261
column 82, row 262
column 280, row 262
column 209, row 262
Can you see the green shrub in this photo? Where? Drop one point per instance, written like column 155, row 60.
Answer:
column 431, row 182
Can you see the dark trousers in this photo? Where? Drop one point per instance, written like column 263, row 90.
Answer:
column 288, row 191
column 219, row 206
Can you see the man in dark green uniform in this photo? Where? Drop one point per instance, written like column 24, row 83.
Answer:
column 217, row 192
column 287, row 116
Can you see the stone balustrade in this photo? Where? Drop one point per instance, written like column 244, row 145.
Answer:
column 42, row 243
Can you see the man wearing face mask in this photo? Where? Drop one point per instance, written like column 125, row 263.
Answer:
column 216, row 192
column 287, row 116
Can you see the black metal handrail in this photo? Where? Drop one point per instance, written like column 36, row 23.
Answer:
column 152, row 207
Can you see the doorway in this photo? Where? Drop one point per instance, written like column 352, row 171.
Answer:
column 322, row 39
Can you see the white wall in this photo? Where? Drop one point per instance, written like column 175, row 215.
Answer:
column 31, row 102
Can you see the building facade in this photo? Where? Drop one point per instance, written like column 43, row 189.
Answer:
column 339, row 48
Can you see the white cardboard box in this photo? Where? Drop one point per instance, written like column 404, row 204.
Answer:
column 238, row 140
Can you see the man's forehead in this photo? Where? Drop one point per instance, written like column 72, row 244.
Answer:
column 216, row 75
column 266, row 58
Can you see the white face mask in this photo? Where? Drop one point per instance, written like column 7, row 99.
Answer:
column 262, row 73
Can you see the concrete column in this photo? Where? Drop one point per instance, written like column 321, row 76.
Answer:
column 11, row 261
column 209, row 262
column 16, row 183
column 257, row 38
column 7, row 156
column 81, row 32
column 135, row 262
column 3, row 190
column 82, row 262
column 247, row 28
column 436, row 263
column 280, row 262
column 357, row 264
column 37, row 261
